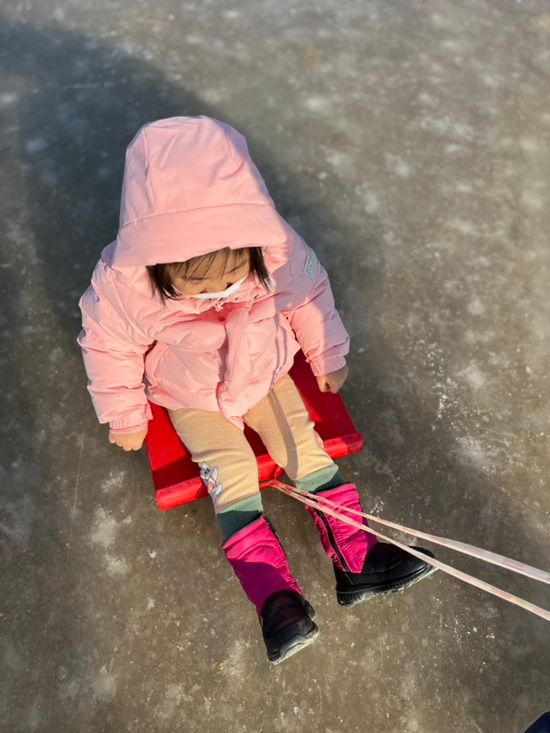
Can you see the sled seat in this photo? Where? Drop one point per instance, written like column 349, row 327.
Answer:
column 175, row 476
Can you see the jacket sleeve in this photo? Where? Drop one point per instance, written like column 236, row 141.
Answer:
column 305, row 297
column 114, row 361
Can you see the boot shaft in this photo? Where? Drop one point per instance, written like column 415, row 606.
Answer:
column 259, row 562
column 346, row 546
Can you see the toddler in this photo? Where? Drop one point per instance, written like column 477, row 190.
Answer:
column 200, row 305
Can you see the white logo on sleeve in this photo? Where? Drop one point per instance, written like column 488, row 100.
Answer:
column 311, row 264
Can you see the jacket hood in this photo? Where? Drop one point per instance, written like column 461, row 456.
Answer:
column 189, row 188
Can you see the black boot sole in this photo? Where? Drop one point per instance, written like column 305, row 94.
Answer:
column 360, row 594
column 296, row 644
column 295, row 638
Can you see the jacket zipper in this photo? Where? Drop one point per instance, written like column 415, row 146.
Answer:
column 332, row 540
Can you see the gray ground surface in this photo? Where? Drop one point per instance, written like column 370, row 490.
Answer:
column 409, row 142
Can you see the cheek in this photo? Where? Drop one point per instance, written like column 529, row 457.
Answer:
column 243, row 273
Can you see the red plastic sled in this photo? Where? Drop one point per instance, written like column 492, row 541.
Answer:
column 176, row 477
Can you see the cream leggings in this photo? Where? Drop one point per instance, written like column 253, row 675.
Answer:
column 227, row 463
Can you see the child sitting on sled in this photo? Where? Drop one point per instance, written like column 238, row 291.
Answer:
column 200, row 305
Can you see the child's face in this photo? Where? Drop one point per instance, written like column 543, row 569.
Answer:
column 223, row 272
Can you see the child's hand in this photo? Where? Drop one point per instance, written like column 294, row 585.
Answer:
column 334, row 381
column 128, row 441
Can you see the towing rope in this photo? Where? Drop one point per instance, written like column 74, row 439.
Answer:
column 329, row 507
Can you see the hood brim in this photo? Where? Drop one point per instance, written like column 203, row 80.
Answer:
column 159, row 238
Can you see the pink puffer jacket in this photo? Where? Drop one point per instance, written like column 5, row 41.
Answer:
column 190, row 187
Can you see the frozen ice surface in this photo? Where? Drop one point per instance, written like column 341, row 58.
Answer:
column 409, row 143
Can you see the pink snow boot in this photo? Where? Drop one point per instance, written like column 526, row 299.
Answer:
column 260, row 564
column 363, row 566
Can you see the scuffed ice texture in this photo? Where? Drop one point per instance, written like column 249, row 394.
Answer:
column 410, row 144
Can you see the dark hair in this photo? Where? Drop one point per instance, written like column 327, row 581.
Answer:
column 161, row 281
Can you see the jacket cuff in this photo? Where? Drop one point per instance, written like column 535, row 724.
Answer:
column 321, row 367
column 124, row 431
column 134, row 420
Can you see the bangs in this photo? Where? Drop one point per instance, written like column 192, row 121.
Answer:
column 161, row 275
column 199, row 266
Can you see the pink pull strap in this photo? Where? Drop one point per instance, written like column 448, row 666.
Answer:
column 320, row 503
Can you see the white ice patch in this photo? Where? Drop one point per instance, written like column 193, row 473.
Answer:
column 481, row 337
column 370, row 202
column 113, row 482
column 237, row 655
column 427, row 99
column 392, row 426
column 49, row 178
column 341, row 162
column 464, row 227
column 69, row 690
column 397, row 165
column 35, row 145
column 531, row 200
column 318, row 104
column 55, row 355
column 471, row 452
column 173, row 696
column 453, row 148
column 12, row 658
column 18, row 526
column 529, row 145
column 116, row 565
column 475, row 307
column 440, row 21
column 104, row 529
column 103, row 172
column 489, row 80
column 473, row 376
column 104, row 684
column 442, row 405
column 213, row 96
column 452, row 45
column 8, row 98
column 193, row 39
column 447, row 126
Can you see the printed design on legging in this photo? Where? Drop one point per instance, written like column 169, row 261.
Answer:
column 211, row 479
